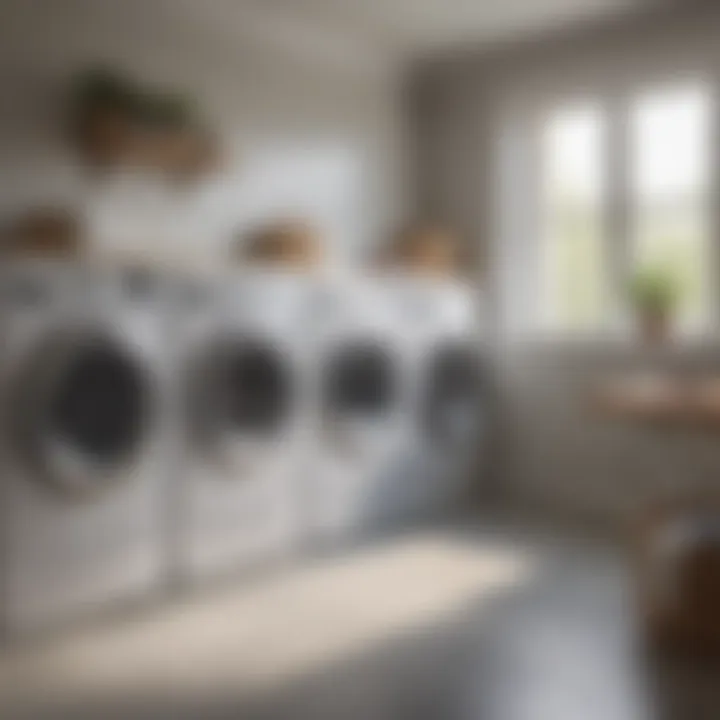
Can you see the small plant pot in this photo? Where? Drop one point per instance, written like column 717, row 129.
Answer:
column 655, row 325
column 116, row 123
column 182, row 154
column 105, row 137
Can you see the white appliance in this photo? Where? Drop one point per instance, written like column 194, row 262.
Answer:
column 245, row 362
column 450, row 390
column 363, row 410
column 84, row 441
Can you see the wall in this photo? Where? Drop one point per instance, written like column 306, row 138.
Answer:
column 563, row 456
column 558, row 452
column 311, row 121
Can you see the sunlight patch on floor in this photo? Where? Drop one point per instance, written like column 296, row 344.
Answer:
column 272, row 632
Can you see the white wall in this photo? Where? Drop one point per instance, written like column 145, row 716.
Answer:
column 311, row 121
column 559, row 454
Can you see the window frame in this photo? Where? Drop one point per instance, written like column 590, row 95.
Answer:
column 618, row 207
column 542, row 125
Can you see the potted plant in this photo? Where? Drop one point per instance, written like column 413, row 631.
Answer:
column 118, row 122
column 104, row 107
column 656, row 291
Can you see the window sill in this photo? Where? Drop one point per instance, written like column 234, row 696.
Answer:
column 616, row 345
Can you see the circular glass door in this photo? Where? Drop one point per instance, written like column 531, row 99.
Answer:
column 84, row 404
column 450, row 406
column 244, row 391
column 359, row 381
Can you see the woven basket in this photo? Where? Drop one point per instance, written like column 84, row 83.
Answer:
column 44, row 233
column 424, row 250
column 292, row 244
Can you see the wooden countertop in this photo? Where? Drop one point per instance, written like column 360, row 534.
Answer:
column 661, row 398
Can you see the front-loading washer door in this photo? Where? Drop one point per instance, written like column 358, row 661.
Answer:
column 82, row 408
column 359, row 394
column 360, row 381
column 242, row 398
column 451, row 404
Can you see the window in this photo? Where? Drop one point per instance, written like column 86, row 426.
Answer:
column 572, row 280
column 670, row 184
column 609, row 187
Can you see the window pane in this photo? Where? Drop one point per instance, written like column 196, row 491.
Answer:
column 572, row 261
column 670, row 184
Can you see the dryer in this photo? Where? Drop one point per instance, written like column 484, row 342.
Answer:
column 245, row 360
column 84, row 443
column 364, row 411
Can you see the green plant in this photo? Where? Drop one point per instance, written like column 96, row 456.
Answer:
column 101, row 87
column 114, row 119
column 656, row 289
column 166, row 110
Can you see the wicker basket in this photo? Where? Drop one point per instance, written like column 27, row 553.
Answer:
column 677, row 564
column 44, row 233
column 293, row 244
column 425, row 250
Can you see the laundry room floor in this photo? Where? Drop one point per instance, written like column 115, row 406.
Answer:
column 482, row 621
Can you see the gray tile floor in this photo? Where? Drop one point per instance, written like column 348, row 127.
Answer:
column 484, row 622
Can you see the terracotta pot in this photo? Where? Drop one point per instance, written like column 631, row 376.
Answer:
column 105, row 137
column 655, row 325
column 179, row 153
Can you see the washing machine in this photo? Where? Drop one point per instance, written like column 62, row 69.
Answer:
column 245, row 352
column 84, row 442
column 364, row 411
column 451, row 390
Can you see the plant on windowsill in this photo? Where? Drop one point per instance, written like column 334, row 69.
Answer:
column 656, row 291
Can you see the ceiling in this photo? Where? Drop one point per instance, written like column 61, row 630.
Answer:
column 416, row 27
